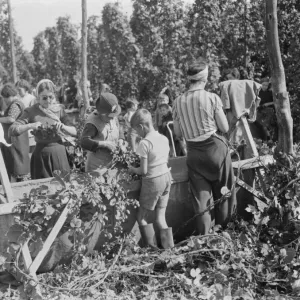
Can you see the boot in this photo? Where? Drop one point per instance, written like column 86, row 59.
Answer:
column 148, row 235
column 166, row 237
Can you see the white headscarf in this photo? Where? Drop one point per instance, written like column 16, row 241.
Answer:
column 47, row 111
column 43, row 81
column 201, row 76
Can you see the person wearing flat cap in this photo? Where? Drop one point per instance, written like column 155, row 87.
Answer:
column 101, row 133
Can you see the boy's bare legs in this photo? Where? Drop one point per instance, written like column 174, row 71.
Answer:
column 142, row 214
column 160, row 217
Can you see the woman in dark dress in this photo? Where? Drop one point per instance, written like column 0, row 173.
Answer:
column 16, row 157
column 50, row 153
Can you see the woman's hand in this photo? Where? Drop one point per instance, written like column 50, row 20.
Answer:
column 35, row 126
column 59, row 126
column 109, row 145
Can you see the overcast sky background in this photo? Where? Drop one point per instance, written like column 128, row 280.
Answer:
column 32, row 16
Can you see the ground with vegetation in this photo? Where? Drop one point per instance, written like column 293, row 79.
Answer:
column 257, row 259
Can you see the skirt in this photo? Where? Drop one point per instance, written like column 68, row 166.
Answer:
column 20, row 155
column 48, row 158
column 8, row 159
column 209, row 164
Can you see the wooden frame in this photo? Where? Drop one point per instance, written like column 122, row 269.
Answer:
column 31, row 266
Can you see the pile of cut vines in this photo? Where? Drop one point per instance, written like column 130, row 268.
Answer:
column 259, row 259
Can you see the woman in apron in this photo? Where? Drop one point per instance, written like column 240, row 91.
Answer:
column 101, row 133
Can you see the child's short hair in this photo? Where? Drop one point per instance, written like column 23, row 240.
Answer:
column 22, row 83
column 164, row 97
column 265, row 79
column 234, row 72
column 131, row 102
column 9, row 90
column 141, row 116
column 164, row 105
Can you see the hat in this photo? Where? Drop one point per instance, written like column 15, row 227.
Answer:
column 107, row 103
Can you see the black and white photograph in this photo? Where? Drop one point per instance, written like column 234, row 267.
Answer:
column 149, row 149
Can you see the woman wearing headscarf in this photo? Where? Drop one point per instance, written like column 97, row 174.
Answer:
column 50, row 154
column 198, row 115
column 16, row 156
column 101, row 133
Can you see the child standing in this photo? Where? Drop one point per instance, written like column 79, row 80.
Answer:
column 156, row 179
column 132, row 136
column 162, row 99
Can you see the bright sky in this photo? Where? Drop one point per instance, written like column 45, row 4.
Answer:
column 33, row 16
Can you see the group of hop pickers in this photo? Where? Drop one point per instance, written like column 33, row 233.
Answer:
column 197, row 116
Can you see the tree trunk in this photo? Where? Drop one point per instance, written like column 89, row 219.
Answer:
column 280, row 94
column 85, row 96
column 12, row 43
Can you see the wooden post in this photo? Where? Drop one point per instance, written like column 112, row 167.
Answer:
column 245, row 34
column 5, row 181
column 84, row 56
column 280, row 94
column 12, row 43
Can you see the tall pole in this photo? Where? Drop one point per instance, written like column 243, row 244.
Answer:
column 84, row 56
column 245, row 34
column 12, row 43
column 280, row 94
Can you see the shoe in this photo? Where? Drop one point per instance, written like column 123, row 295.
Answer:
column 166, row 238
column 148, row 235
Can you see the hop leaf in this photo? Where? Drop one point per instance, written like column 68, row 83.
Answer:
column 113, row 202
column 225, row 190
column 195, row 272
column 75, row 223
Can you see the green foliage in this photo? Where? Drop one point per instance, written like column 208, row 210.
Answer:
column 93, row 53
column 118, row 52
column 97, row 206
column 24, row 60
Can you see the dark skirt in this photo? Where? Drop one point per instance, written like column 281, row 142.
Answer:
column 20, row 155
column 210, row 169
column 7, row 157
column 48, row 158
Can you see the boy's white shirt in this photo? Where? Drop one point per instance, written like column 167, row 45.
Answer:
column 155, row 147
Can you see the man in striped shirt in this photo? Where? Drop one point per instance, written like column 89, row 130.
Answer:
column 198, row 115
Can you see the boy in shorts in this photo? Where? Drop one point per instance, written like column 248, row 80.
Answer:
column 153, row 151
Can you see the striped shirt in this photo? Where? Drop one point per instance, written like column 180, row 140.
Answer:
column 195, row 111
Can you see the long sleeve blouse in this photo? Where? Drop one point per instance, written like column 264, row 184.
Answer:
column 34, row 114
